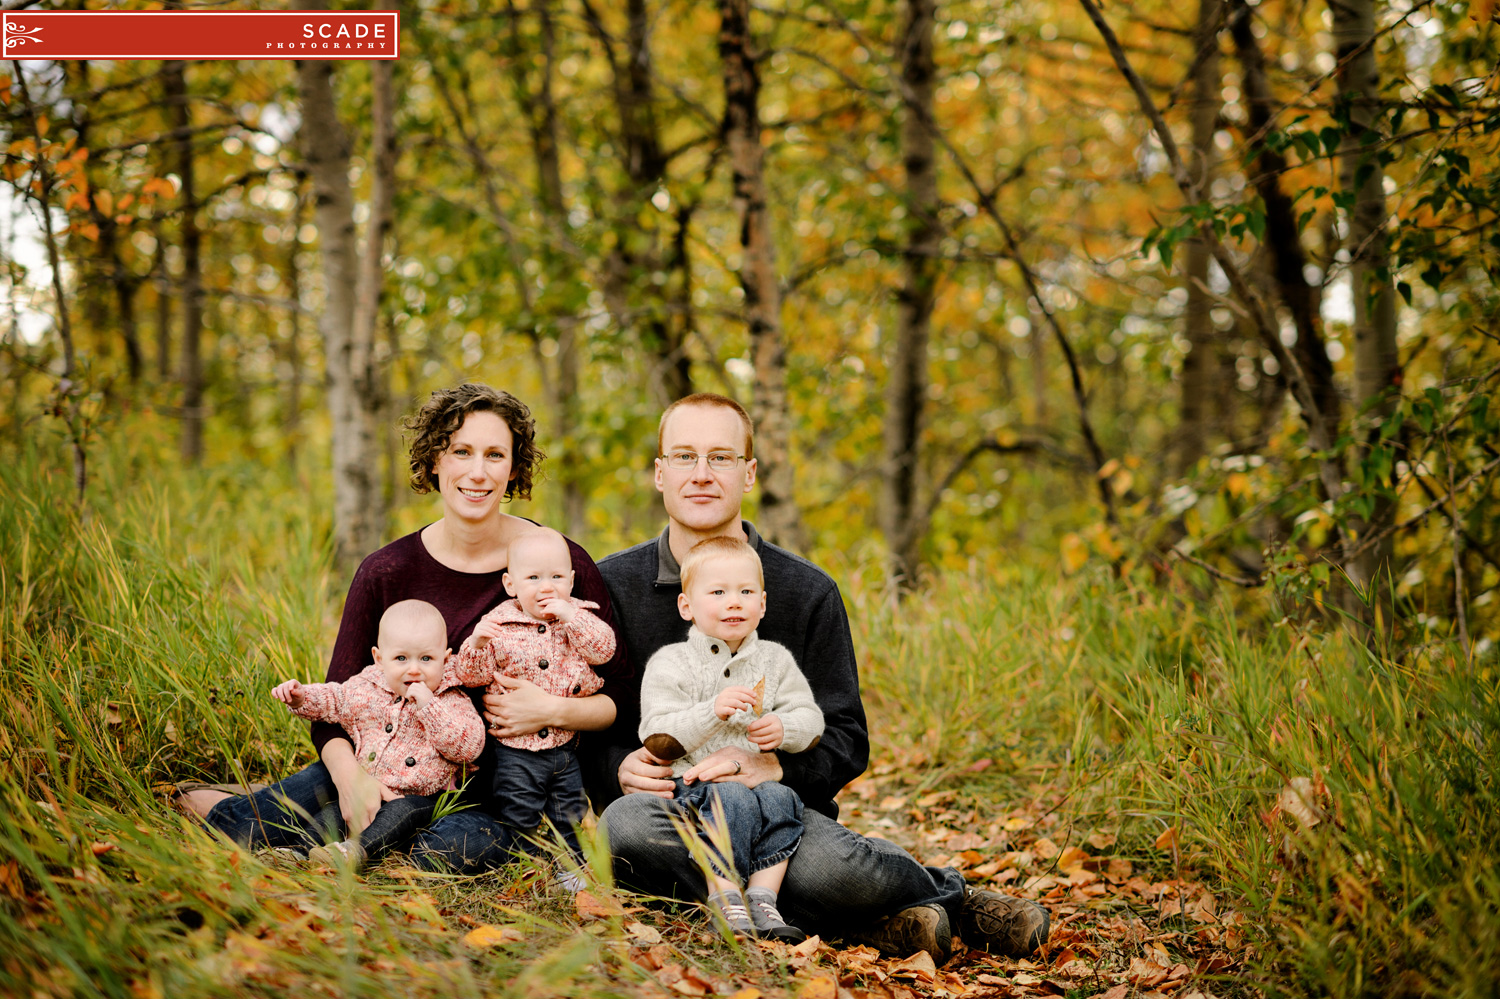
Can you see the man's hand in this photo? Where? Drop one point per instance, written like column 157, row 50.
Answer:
column 766, row 732
column 289, row 693
column 732, row 699
column 419, row 692
column 515, row 707
column 735, row 764
column 642, row 773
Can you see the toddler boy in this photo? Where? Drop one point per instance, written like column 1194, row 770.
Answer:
column 725, row 687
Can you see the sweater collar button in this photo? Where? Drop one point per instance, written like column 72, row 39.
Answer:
column 714, row 649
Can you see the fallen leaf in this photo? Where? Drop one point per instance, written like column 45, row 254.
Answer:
column 100, row 849
column 987, row 979
column 1168, row 839
column 979, row 765
column 486, row 935
column 640, row 933
column 1019, row 822
column 808, row 947
column 1063, row 956
column 1118, row 992
column 892, row 802
column 918, row 966
column 590, row 906
column 169, row 731
column 1299, row 799
column 1101, row 840
column 1146, row 974
column 749, row 992
column 820, row 987
column 1022, row 978
column 111, row 713
column 1045, row 849
column 1072, row 857
column 759, row 690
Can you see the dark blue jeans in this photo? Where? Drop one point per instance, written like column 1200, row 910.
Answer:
column 764, row 823
column 303, row 811
column 838, row 883
column 527, row 787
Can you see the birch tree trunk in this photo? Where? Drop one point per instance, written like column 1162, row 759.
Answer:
column 1200, row 376
column 1376, row 365
column 779, row 518
column 348, row 318
column 190, row 286
column 906, row 389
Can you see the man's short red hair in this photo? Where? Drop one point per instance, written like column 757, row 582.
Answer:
column 710, row 399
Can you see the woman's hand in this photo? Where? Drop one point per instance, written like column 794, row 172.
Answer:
column 643, row 773
column 360, row 794
column 519, row 708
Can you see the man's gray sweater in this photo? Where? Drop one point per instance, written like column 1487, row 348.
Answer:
column 804, row 613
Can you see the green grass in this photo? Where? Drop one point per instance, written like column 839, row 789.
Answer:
column 139, row 642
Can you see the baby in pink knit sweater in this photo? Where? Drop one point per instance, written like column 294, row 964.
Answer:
column 546, row 637
column 411, row 721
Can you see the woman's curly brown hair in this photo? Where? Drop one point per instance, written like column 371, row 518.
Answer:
column 432, row 427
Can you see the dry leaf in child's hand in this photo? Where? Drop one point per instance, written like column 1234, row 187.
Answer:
column 760, row 697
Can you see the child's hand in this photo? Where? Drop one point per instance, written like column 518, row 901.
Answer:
column 418, row 691
column 289, row 693
column 766, row 732
column 733, row 699
column 558, row 609
column 487, row 629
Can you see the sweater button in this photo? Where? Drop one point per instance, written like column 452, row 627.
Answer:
column 389, row 726
column 543, row 733
column 543, row 664
column 372, row 756
column 411, row 761
column 714, row 649
column 577, row 689
column 541, row 629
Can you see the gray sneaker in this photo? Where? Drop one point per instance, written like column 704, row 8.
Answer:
column 768, row 921
column 1001, row 924
column 922, row 927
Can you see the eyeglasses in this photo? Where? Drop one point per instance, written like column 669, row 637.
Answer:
column 718, row 461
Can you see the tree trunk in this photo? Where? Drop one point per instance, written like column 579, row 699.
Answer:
column 1376, row 365
column 541, row 110
column 325, row 148
column 906, row 389
column 292, row 424
column 161, row 280
column 190, row 287
column 638, row 255
column 780, row 520
column 1282, row 239
column 1200, row 377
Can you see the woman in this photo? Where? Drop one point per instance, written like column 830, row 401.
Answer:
column 477, row 447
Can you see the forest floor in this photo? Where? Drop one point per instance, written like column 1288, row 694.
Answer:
column 1212, row 793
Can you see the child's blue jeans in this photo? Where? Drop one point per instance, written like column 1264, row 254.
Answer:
column 302, row 811
column 532, row 785
column 764, row 822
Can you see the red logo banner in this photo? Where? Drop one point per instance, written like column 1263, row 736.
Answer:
column 201, row 34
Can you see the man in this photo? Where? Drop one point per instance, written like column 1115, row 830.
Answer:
column 839, row 884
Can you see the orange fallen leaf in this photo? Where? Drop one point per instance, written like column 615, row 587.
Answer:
column 1072, row 857
column 919, row 966
column 100, row 849
column 640, row 933
column 486, row 935
column 1168, row 839
column 820, row 987
column 808, row 947
column 1118, row 992
column 759, row 690
column 749, row 992
column 590, row 906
